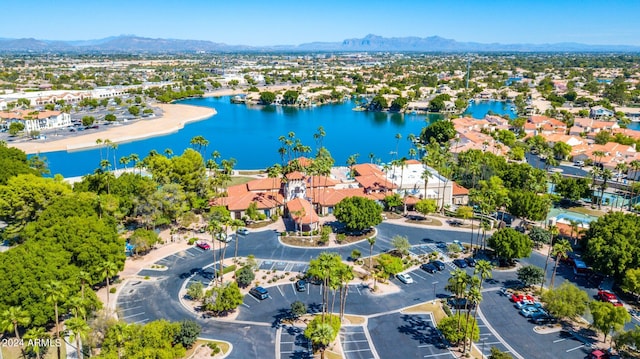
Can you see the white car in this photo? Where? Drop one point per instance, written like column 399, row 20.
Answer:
column 404, row 278
column 243, row 231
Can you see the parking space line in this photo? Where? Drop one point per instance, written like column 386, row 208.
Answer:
column 245, row 304
column 133, row 315
column 491, row 343
column 439, row 355
column 559, row 340
column 142, row 321
column 254, row 298
column 280, row 290
column 576, row 348
column 293, row 287
column 125, row 309
column 419, row 276
column 356, row 341
column 357, row 350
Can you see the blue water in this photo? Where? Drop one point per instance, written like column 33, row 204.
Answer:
column 571, row 217
column 478, row 109
column 250, row 135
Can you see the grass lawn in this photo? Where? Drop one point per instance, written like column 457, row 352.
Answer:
column 427, row 222
column 239, row 180
column 222, row 345
column 14, row 353
column 585, row 210
column 250, row 173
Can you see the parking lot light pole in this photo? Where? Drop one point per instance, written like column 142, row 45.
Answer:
column 434, row 289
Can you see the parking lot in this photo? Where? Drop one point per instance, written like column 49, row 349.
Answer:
column 400, row 335
column 293, row 344
column 354, row 343
column 518, row 332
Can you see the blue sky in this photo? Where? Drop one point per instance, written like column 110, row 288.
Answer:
column 275, row 22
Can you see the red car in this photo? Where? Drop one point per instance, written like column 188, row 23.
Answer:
column 606, row 296
column 520, row 297
column 203, row 245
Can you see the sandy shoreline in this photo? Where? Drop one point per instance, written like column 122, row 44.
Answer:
column 174, row 118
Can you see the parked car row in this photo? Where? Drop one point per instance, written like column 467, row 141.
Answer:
column 531, row 309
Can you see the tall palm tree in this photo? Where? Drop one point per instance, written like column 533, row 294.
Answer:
column 635, row 166
column 484, row 270
column 320, row 337
column 554, row 232
column 77, row 307
column 398, row 137
column 108, row 270
column 426, row 176
column 575, row 227
column 475, row 297
column 560, row 249
column 214, row 227
column 55, row 293
column 33, row 336
column 621, row 167
column 457, row 284
column 606, row 176
column 120, row 329
column 79, row 329
column 12, row 318
column 135, row 159
column 84, row 278
column 235, row 224
column 372, row 242
column 345, row 275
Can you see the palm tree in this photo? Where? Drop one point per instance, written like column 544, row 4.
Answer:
column 33, row 336
column 84, row 278
column 235, row 224
column 199, row 143
column 12, row 318
column 79, row 330
column 621, row 167
column 372, row 242
column 575, row 227
column 484, row 269
column 345, row 275
column 320, row 337
column 554, row 232
column 606, row 176
column 168, row 152
column 475, row 297
column 560, row 249
column 426, row 176
column 214, row 228
column 77, row 307
column 351, row 161
column 55, row 292
column 124, row 161
column 635, row 166
column 457, row 284
column 119, row 330
column 398, row 137
column 135, row 158
column 108, row 270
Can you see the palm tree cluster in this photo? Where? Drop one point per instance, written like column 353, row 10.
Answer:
column 469, row 288
column 335, row 276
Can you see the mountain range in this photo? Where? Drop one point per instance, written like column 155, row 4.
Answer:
column 370, row 43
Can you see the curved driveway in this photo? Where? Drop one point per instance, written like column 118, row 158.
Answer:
column 157, row 298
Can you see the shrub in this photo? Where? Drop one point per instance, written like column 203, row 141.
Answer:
column 112, row 290
column 192, row 241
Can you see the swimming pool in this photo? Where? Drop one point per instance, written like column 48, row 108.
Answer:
column 564, row 216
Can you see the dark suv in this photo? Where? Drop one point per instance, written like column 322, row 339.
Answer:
column 259, row 293
column 438, row 264
column 301, row 285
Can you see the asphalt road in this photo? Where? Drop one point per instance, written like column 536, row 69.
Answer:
column 156, row 298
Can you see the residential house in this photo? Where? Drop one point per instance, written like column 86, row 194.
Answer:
column 599, row 112
column 460, row 195
column 36, row 120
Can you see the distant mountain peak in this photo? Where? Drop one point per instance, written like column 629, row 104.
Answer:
column 129, row 43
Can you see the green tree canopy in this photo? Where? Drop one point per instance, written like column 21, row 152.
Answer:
column 441, row 131
column 509, row 244
column 244, row 276
column 574, row 189
column 267, row 97
column 530, row 275
column 358, row 213
column 12, row 163
column 566, row 301
column 389, row 265
column 378, row 103
column 613, row 243
column 529, row 205
column 426, row 206
column 608, row 318
column 290, row 97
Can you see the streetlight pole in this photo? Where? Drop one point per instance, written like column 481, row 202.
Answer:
column 434, row 289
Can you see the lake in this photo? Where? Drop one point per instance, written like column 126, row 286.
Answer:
column 250, row 134
column 478, row 109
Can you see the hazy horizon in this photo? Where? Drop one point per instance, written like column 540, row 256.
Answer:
column 286, row 22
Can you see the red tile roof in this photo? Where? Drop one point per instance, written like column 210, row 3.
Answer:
column 264, row 184
column 365, row 169
column 295, row 175
column 302, row 211
column 375, row 182
column 458, row 190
